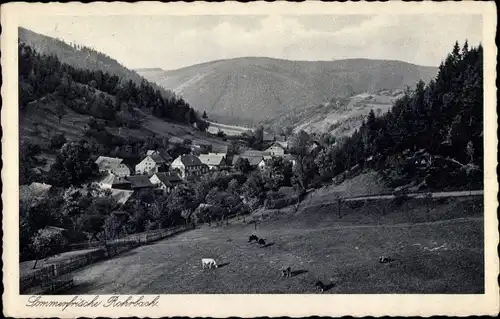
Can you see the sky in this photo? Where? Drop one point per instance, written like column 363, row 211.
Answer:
column 172, row 42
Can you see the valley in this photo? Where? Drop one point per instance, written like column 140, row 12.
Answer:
column 112, row 159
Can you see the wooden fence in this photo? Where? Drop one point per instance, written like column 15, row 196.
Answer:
column 103, row 250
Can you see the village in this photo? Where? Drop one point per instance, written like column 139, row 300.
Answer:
column 158, row 171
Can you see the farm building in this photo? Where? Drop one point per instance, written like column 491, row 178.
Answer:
column 112, row 165
column 262, row 164
column 268, row 138
column 219, row 149
column 213, row 160
column 175, row 140
column 290, row 158
column 114, row 181
column 37, row 190
column 166, row 182
column 275, row 150
column 153, row 163
column 121, row 195
column 189, row 165
column 140, row 182
column 201, row 147
column 253, row 157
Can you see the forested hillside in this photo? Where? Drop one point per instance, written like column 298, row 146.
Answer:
column 82, row 57
column 443, row 118
column 71, row 103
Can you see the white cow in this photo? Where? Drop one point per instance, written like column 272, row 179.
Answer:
column 208, row 262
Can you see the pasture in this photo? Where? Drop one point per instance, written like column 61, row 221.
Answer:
column 436, row 247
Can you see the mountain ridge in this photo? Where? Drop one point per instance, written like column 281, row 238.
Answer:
column 263, row 88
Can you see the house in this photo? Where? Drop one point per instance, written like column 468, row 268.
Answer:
column 218, row 148
column 275, row 150
column 55, row 230
column 290, row 158
column 121, row 195
column 213, row 160
column 187, row 139
column 262, row 164
column 253, row 157
column 152, row 163
column 40, row 190
column 201, row 146
column 189, row 165
column 280, row 138
column 114, row 181
column 268, row 138
column 138, row 182
column 314, row 148
column 282, row 144
column 166, row 182
column 112, row 165
column 175, row 140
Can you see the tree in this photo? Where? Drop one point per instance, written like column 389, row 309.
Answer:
column 233, row 186
column 258, row 137
column 60, row 111
column 243, row 165
column 233, row 149
column 304, row 168
column 470, row 151
column 221, row 134
column 46, row 243
column 57, row 140
column 186, row 214
column 74, row 165
column 115, row 223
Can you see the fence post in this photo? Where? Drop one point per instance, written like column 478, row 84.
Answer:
column 338, row 208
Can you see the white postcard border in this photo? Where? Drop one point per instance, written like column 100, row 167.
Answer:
column 249, row 305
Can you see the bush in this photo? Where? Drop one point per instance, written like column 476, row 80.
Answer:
column 57, row 141
column 46, row 243
column 280, row 203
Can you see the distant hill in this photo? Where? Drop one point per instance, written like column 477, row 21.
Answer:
column 339, row 116
column 262, row 89
column 81, row 57
column 148, row 70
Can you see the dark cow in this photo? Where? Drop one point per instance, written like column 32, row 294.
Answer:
column 286, row 272
column 253, row 238
column 262, row 242
column 320, row 285
column 384, row 260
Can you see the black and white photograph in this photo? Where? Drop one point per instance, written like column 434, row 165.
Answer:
column 246, row 154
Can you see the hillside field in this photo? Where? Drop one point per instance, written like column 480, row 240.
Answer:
column 41, row 122
column 440, row 251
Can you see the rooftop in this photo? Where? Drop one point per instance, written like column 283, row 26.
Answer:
column 190, row 160
column 168, row 179
column 140, row 181
column 212, row 158
column 108, row 163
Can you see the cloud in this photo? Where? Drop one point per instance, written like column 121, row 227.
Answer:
column 177, row 41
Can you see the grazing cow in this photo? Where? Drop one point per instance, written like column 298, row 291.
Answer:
column 262, row 242
column 208, row 262
column 286, row 272
column 253, row 238
column 384, row 260
column 320, row 285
